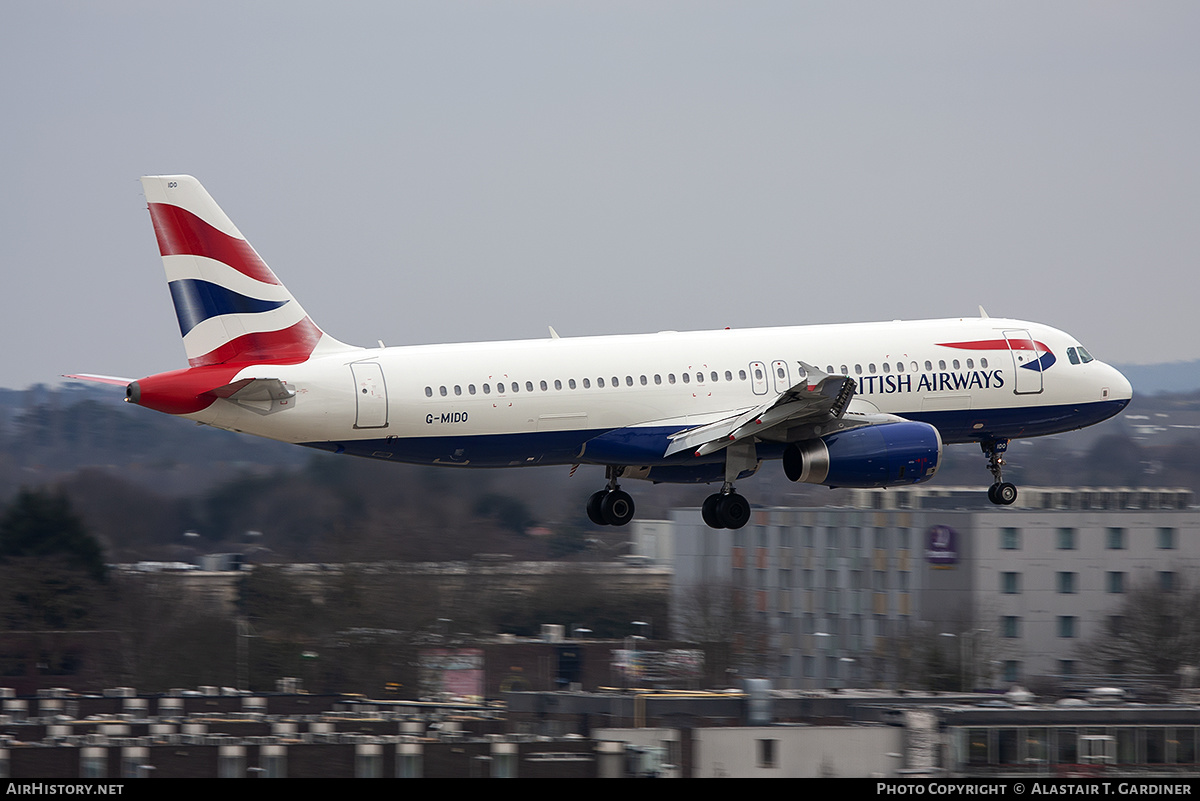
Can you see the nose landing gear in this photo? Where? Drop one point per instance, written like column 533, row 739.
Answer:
column 1001, row 492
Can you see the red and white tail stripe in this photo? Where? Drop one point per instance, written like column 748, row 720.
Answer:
column 230, row 306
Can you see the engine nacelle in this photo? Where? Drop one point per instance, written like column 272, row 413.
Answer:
column 884, row 455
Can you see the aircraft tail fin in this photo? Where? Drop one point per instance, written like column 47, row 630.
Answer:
column 230, row 306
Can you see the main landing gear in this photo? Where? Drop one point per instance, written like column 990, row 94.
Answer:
column 725, row 509
column 611, row 506
column 1001, row 492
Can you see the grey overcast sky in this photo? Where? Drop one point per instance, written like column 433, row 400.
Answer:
column 449, row 171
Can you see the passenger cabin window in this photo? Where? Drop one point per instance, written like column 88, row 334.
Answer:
column 429, row 392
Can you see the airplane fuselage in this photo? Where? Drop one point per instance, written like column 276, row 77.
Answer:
column 564, row 400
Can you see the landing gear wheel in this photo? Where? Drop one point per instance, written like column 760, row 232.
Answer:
column 725, row 511
column 709, row 511
column 733, row 510
column 617, row 508
column 1003, row 494
column 595, row 508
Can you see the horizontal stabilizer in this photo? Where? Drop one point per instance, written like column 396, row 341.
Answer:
column 102, row 379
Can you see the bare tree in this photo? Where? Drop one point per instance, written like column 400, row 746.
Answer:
column 1154, row 631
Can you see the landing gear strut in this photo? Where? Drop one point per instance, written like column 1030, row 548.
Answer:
column 611, row 506
column 727, row 509
column 1001, row 492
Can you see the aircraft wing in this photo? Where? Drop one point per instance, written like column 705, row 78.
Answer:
column 816, row 398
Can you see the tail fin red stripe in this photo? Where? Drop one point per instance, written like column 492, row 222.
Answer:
column 290, row 345
column 179, row 232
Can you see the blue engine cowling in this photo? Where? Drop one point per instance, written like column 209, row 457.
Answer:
column 884, row 455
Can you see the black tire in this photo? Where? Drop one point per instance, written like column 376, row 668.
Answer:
column 709, row 511
column 618, row 508
column 992, row 494
column 595, row 508
column 733, row 511
column 1006, row 494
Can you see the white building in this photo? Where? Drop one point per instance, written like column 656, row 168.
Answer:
column 836, row 597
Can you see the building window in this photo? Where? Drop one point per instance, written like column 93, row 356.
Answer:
column 1012, row 671
column 1010, row 539
column 1116, row 582
column 1166, row 539
column 1010, row 583
column 1010, row 627
column 768, row 753
column 1116, row 539
column 1066, row 667
column 1066, row 539
column 1067, row 583
column 1166, row 581
column 1067, row 625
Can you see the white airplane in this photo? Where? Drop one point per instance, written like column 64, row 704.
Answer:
column 858, row 405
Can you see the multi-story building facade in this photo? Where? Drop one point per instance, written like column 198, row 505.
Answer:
column 912, row 580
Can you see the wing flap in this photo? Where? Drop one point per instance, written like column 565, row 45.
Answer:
column 816, row 397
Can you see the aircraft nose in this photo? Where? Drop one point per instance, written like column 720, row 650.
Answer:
column 1118, row 387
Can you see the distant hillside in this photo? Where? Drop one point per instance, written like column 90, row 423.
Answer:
column 1152, row 379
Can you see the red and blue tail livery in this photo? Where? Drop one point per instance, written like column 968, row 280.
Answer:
column 231, row 307
column 857, row 405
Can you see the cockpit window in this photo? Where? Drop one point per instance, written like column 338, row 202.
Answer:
column 1084, row 356
column 1073, row 356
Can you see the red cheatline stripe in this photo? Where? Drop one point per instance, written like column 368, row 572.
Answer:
column 996, row 344
column 291, row 345
column 180, row 232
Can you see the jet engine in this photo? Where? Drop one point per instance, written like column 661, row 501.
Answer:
column 883, row 455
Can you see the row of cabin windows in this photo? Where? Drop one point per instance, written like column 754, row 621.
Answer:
column 955, row 364
column 714, row 376
column 586, row 383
